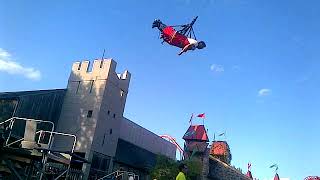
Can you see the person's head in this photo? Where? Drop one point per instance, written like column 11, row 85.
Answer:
column 201, row 45
column 183, row 168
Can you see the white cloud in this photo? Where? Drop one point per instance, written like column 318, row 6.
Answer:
column 264, row 92
column 11, row 67
column 217, row 68
column 4, row 53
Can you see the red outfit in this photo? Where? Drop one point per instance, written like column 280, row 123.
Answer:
column 174, row 38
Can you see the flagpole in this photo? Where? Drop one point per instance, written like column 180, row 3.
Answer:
column 203, row 119
column 190, row 121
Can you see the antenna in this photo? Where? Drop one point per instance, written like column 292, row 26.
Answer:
column 104, row 50
column 101, row 64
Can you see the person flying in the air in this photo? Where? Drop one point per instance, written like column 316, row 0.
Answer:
column 175, row 38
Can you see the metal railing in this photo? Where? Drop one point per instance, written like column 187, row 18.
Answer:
column 44, row 151
column 118, row 174
column 13, row 120
column 44, row 159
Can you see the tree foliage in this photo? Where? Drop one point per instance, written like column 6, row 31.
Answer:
column 165, row 169
column 194, row 169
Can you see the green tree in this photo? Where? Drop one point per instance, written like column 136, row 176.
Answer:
column 165, row 169
column 194, row 169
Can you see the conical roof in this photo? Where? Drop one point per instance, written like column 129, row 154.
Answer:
column 196, row 133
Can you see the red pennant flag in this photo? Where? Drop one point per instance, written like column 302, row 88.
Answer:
column 202, row 115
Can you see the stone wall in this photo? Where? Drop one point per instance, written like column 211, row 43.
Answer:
column 219, row 170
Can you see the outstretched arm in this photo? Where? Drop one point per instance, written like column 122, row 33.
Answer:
column 185, row 49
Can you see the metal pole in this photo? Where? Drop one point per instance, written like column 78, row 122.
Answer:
column 10, row 126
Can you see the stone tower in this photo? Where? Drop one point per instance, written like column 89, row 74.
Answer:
column 93, row 107
column 195, row 147
column 196, row 141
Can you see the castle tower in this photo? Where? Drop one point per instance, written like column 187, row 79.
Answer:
column 221, row 151
column 93, row 107
column 196, row 140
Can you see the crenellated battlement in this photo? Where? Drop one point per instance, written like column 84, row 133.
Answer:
column 100, row 69
column 98, row 65
column 102, row 74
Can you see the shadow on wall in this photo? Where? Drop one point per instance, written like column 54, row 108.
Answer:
column 79, row 112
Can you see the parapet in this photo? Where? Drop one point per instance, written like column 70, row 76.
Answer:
column 101, row 69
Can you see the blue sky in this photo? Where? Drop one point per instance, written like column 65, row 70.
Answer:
column 258, row 78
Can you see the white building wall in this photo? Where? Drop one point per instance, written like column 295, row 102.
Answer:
column 114, row 100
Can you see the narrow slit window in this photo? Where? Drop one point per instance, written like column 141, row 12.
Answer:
column 91, row 86
column 89, row 115
column 114, row 115
column 104, row 137
column 110, row 131
column 108, row 112
column 78, row 86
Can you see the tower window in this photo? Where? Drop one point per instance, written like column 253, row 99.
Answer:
column 89, row 115
column 104, row 137
column 91, row 86
column 78, row 86
column 114, row 115
column 110, row 131
column 108, row 112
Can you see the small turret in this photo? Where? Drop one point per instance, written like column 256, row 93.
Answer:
column 221, row 150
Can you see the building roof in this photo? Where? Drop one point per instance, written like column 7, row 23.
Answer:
column 249, row 174
column 38, row 104
column 17, row 94
column 196, row 133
